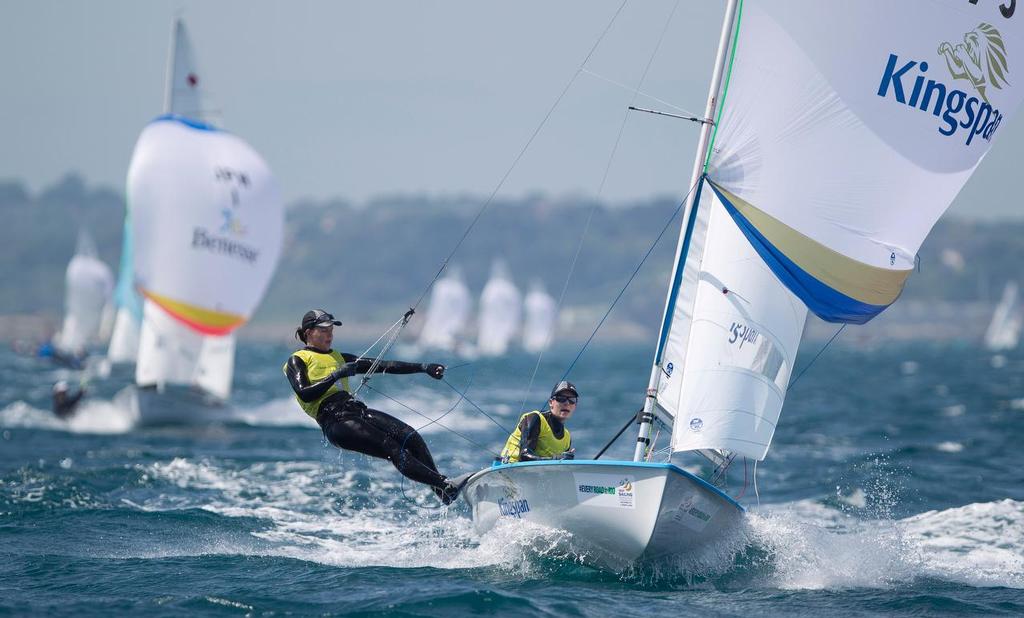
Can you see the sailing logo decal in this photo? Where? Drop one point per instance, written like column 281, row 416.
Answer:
column 981, row 60
column 743, row 334
column 694, row 512
column 696, row 424
column 513, row 508
column 605, row 490
column 669, row 368
column 220, row 242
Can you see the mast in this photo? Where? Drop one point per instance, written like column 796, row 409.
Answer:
column 643, row 440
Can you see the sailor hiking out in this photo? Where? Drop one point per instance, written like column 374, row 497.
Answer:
column 319, row 376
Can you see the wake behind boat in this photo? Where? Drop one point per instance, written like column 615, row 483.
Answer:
column 814, row 184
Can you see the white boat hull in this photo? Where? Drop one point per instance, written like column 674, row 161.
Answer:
column 616, row 513
column 179, row 405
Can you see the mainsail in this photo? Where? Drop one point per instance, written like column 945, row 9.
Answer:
column 541, row 316
column 182, row 96
column 842, row 133
column 500, row 312
column 448, row 312
column 207, row 222
column 87, row 286
column 1003, row 330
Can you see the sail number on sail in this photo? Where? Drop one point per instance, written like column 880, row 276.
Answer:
column 742, row 333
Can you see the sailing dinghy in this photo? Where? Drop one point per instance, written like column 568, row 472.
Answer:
column 87, row 286
column 835, row 136
column 207, row 224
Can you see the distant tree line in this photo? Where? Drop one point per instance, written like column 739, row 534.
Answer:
column 373, row 261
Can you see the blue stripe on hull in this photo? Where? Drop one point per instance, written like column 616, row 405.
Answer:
column 636, row 464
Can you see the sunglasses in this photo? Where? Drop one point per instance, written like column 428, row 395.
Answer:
column 564, row 399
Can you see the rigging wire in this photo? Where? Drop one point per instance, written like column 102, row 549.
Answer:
column 472, row 403
column 522, row 152
column 419, row 429
column 434, row 421
column 823, row 348
column 397, row 328
column 600, row 191
column 631, row 277
column 640, row 93
column 501, row 183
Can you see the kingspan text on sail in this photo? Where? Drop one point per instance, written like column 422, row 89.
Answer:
column 957, row 109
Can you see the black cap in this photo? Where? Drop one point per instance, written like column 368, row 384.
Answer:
column 564, row 386
column 318, row 317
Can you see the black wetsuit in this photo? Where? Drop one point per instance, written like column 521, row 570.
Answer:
column 529, row 430
column 64, row 404
column 347, row 423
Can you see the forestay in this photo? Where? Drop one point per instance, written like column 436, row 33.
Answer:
column 843, row 133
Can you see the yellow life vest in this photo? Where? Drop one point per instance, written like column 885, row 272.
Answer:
column 547, row 444
column 319, row 365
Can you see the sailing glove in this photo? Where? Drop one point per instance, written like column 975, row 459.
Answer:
column 569, row 454
column 344, row 371
column 433, row 370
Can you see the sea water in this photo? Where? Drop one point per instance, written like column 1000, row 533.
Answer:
column 895, row 484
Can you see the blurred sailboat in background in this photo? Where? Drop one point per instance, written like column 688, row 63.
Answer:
column 1003, row 331
column 448, row 313
column 206, row 225
column 541, row 313
column 500, row 312
column 87, row 287
column 183, row 96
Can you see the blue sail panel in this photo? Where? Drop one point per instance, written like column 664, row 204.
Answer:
column 822, row 299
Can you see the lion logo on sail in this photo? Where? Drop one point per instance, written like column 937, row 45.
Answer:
column 980, row 59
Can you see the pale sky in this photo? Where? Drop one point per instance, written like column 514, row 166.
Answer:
column 357, row 99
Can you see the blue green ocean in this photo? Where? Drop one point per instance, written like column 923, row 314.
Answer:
column 895, row 485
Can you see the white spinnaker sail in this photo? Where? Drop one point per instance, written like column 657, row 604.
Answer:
column 87, row 286
column 183, row 96
column 843, row 134
column 207, row 220
column 541, row 316
column 448, row 312
column 1003, row 330
column 500, row 312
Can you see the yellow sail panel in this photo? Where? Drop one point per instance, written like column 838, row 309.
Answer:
column 205, row 321
column 863, row 282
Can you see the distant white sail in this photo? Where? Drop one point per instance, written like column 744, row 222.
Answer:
column 183, row 96
column 1003, row 331
column 541, row 318
column 448, row 312
column 88, row 283
column 207, row 223
column 500, row 312
column 842, row 135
